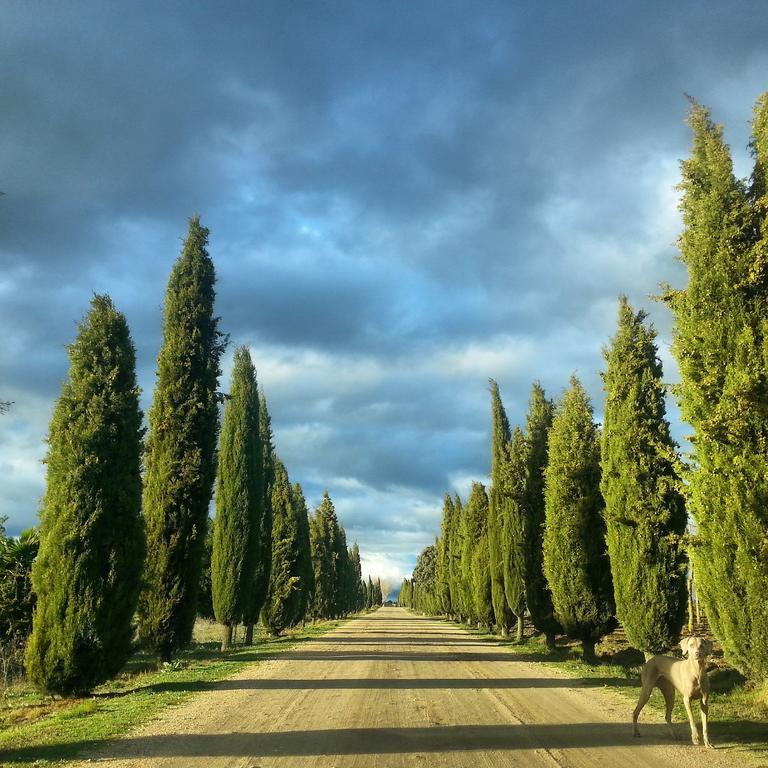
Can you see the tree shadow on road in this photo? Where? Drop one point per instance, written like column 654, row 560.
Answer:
column 367, row 741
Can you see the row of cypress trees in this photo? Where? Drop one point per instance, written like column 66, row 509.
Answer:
column 589, row 524
column 116, row 545
column 580, row 525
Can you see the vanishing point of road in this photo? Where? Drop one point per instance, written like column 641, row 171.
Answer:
column 392, row 689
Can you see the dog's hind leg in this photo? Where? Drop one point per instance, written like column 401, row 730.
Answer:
column 668, row 691
column 645, row 694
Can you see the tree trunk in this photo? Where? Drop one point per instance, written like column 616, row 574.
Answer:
column 248, row 635
column 550, row 641
column 504, row 631
column 519, row 633
column 226, row 640
column 588, row 648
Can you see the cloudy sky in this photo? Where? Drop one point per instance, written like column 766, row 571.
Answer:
column 404, row 198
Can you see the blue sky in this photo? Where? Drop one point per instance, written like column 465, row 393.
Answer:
column 404, row 198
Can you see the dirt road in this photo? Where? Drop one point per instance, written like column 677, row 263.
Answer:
column 392, row 689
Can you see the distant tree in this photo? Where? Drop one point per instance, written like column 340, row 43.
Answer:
column 304, row 569
column 369, row 592
column 516, row 529
column 87, row 572
column 720, row 341
column 498, row 509
column 378, row 597
column 239, row 499
column 263, row 546
column 575, row 556
column 357, row 599
column 644, row 509
column 538, row 596
column 181, row 449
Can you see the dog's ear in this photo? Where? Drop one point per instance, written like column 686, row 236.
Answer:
column 684, row 645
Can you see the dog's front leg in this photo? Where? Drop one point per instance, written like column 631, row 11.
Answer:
column 694, row 731
column 704, row 714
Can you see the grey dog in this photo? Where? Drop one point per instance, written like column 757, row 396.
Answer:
column 687, row 675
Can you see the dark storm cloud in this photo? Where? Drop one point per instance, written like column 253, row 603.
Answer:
column 403, row 201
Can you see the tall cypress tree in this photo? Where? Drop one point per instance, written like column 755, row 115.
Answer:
column 498, row 509
column 644, row 509
column 721, row 327
column 87, row 572
column 369, row 590
column 357, row 601
column 538, row 596
column 239, row 498
column 281, row 608
column 575, row 556
column 516, row 529
column 305, row 570
column 263, row 545
column 181, row 449
column 476, row 577
column 378, row 597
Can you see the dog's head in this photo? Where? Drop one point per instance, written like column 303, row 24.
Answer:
column 696, row 647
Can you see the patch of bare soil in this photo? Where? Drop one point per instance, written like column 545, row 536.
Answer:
column 392, row 689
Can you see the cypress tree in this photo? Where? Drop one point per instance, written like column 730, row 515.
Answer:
column 239, row 499
column 476, row 577
column 356, row 579
column 305, row 570
column 87, row 572
column 263, row 545
column 181, row 449
column 538, row 596
column 515, row 533
column 644, row 510
column 378, row 597
column 575, row 556
column 369, row 594
column 341, row 574
column 720, row 342
column 281, row 608
column 323, row 530
column 498, row 509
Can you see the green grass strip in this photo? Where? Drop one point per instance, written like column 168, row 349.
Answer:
column 67, row 729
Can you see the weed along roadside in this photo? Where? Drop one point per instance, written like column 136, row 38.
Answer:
column 64, row 728
column 738, row 713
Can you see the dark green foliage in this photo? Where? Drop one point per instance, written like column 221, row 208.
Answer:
column 263, row 546
column 644, row 509
column 498, row 508
column 475, row 573
column 304, row 570
column 378, row 598
column 87, row 573
column 323, row 534
column 369, row 590
column 405, row 598
column 17, row 600
column 516, row 528
column 181, row 449
column 538, row 596
column 721, row 344
column 355, row 595
column 205, row 589
column 283, row 604
column 575, row 556
column 239, row 497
